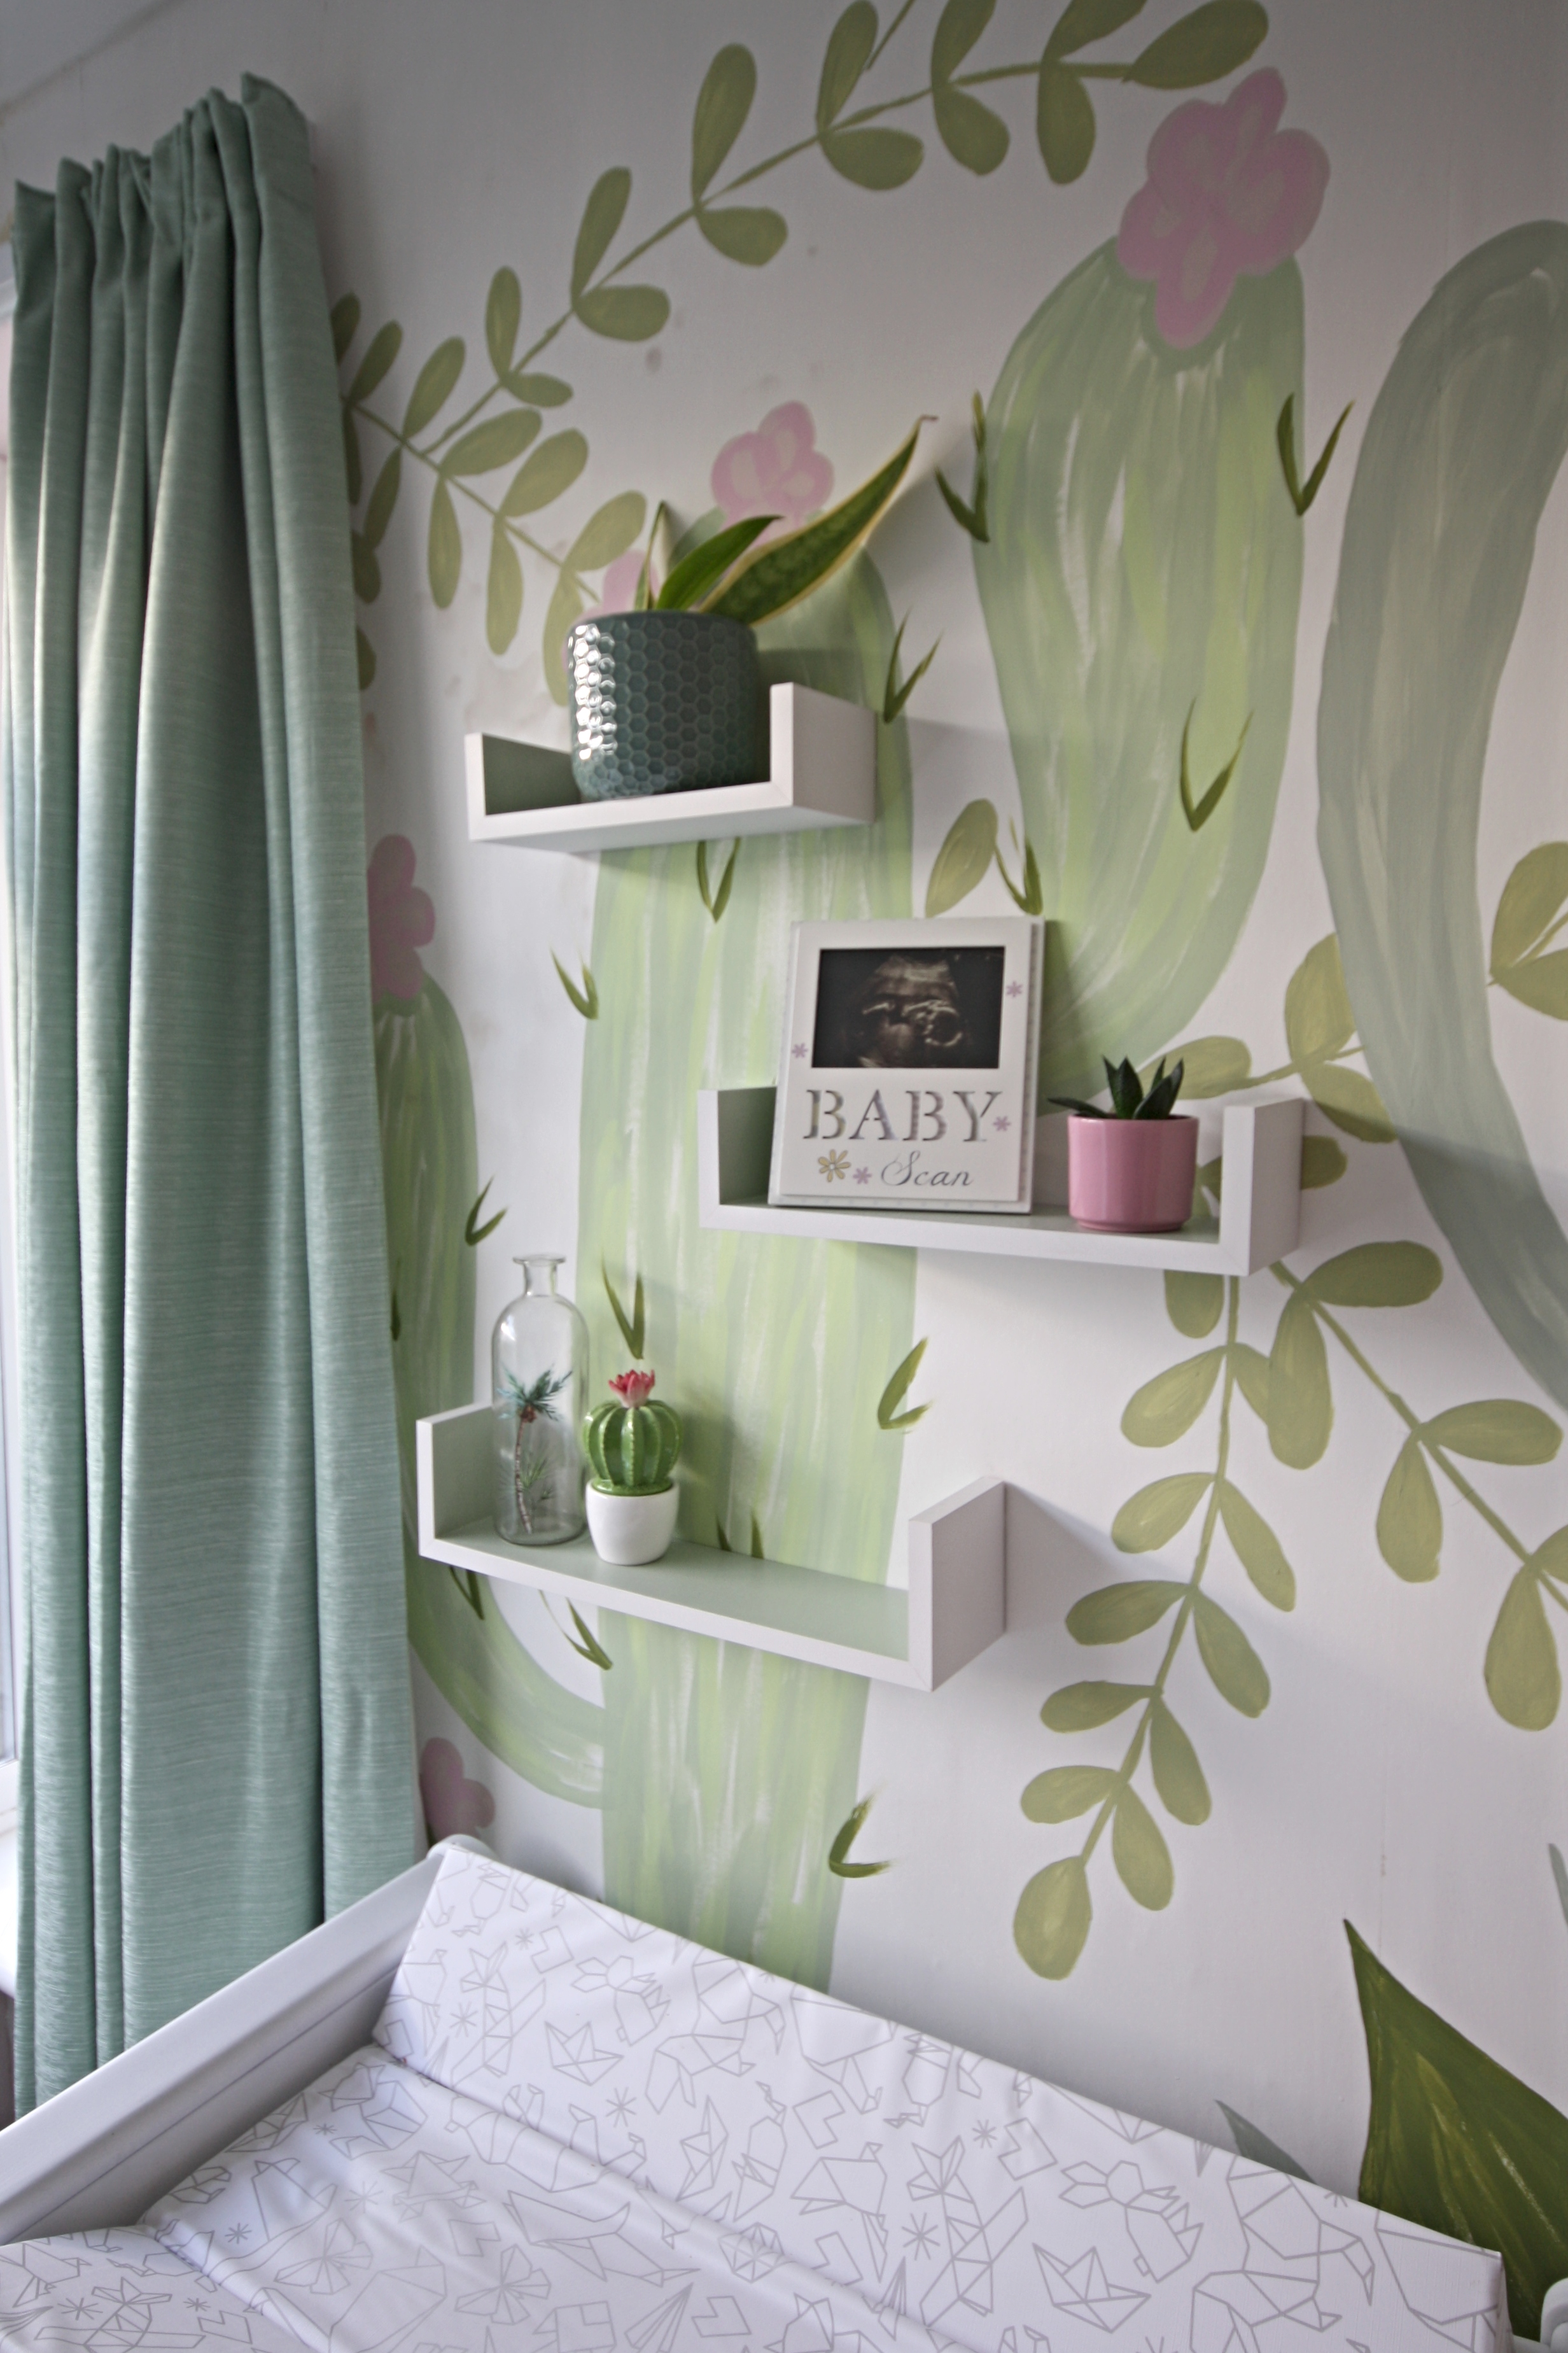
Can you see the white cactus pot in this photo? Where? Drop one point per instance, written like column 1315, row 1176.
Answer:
column 629, row 1531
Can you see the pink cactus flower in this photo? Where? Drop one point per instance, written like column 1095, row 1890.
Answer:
column 777, row 470
column 632, row 1389
column 1228, row 195
column 402, row 920
column 452, row 1803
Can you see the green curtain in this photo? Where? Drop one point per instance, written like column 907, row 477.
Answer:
column 217, row 1737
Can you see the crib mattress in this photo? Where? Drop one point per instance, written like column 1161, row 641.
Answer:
column 578, row 2133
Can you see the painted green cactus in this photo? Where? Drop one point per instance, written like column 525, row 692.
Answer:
column 632, row 1441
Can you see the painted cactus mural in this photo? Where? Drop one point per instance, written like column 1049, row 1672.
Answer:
column 1140, row 583
column 1461, row 450
column 728, row 1773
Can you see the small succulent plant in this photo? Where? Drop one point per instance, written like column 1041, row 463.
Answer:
column 1128, row 1100
column 632, row 1445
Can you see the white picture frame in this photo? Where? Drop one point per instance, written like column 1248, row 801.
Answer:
column 908, row 1064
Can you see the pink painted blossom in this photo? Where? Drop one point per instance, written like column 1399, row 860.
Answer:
column 402, row 919
column 777, row 470
column 452, row 1803
column 618, row 589
column 632, row 1389
column 1228, row 195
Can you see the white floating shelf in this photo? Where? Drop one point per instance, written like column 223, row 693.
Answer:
column 955, row 1605
column 822, row 771
column 1259, row 1219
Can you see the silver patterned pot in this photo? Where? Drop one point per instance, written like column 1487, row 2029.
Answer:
column 663, row 703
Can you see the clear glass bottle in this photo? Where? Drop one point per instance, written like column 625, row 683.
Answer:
column 538, row 1366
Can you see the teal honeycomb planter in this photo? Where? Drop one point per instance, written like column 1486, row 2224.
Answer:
column 662, row 702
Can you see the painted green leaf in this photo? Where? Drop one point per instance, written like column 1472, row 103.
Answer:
column 345, row 324
column 1030, row 899
column 609, row 531
column 1066, row 1792
column 874, row 158
column 1083, row 21
column 1063, row 122
column 1253, row 2143
column 1052, row 1922
column 1258, row 1547
column 539, row 391
column 586, row 999
column 898, row 1388
column 779, row 574
column 1377, row 1274
column 972, row 134
column 1551, row 1559
column 382, row 499
column 1155, row 1514
column 1080, row 1707
column 494, row 443
column 1457, row 2143
column 1202, row 47
column 364, row 655
column 1324, row 1162
column 1178, row 1776
column 473, row 1232
column 896, row 695
column 1117, row 1612
column 751, row 234
column 383, row 349
column 839, row 1861
column 1532, row 900
column 1542, row 983
column 1410, row 1518
column 503, row 593
column 1252, row 1378
column 1137, row 1848
column 601, row 217
column 434, row 384
column 589, row 1647
column 1317, row 1016
column 1496, row 1429
column 1198, row 812
column 444, row 551
column 353, row 464
column 564, row 607
column 634, row 1328
column 723, row 103
column 1210, row 1066
column 965, row 858
column 504, row 315
column 1195, row 1303
column 626, row 314
column 1349, row 1098
column 716, row 900
column 546, row 473
column 1235, row 1668
column 1523, row 1678
column 1164, row 1409
column 1301, row 1401
column 1303, row 494
column 366, row 570
column 850, row 46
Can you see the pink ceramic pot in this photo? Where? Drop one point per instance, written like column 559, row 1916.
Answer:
column 1131, row 1175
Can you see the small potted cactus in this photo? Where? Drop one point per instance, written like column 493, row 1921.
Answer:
column 1131, row 1168
column 632, row 1445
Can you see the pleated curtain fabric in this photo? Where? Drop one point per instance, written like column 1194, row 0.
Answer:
column 216, row 1741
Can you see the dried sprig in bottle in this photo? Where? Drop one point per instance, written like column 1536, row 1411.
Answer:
column 539, row 1359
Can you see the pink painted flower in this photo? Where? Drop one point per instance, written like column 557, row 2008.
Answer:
column 402, row 919
column 777, row 470
column 618, row 589
column 452, row 1803
column 1228, row 195
column 632, row 1389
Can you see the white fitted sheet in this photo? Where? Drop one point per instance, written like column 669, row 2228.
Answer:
column 580, row 2133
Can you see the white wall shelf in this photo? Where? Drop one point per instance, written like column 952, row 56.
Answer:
column 1259, row 1219
column 955, row 1605
column 822, row 771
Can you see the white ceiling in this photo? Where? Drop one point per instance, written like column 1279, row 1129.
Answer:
column 39, row 38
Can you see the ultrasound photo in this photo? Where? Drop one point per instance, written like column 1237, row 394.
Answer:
column 909, row 1010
